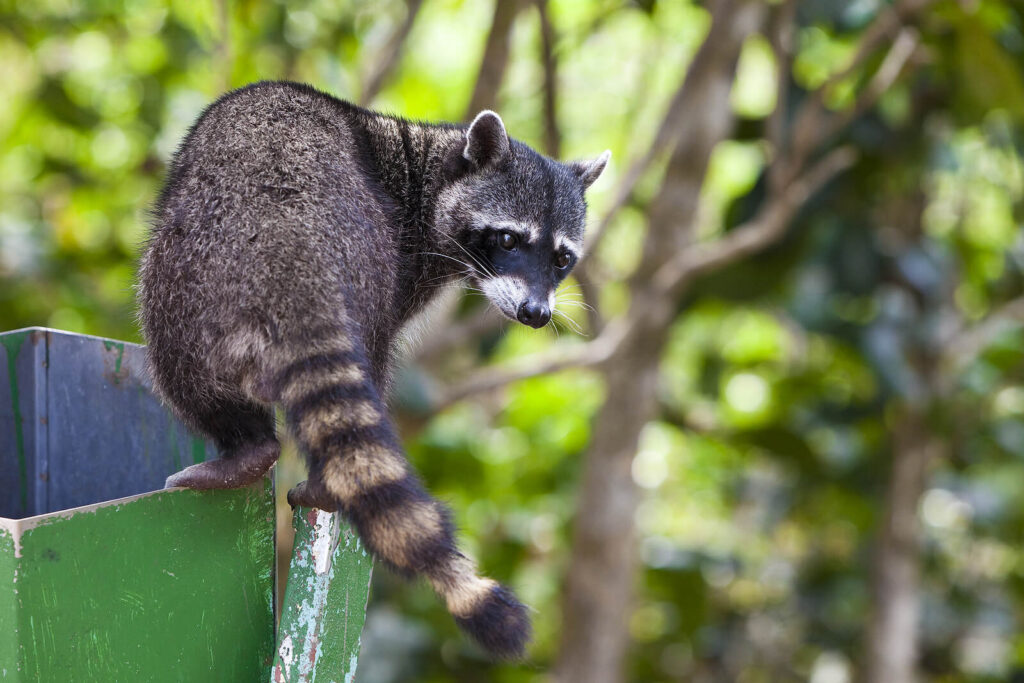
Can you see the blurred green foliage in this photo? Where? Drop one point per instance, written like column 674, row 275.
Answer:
column 763, row 478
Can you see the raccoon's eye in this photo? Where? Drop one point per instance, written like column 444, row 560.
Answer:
column 507, row 241
column 563, row 260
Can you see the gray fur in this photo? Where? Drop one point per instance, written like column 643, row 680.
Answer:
column 296, row 231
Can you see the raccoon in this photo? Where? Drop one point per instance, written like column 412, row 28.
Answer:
column 295, row 235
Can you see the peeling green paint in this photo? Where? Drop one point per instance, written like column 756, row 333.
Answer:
column 9, row 665
column 169, row 586
column 12, row 344
column 110, row 346
column 325, row 602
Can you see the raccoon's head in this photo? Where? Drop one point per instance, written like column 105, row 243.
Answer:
column 514, row 218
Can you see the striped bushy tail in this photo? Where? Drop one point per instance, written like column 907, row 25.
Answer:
column 333, row 408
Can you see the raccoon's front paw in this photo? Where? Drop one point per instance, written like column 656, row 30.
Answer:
column 192, row 477
column 244, row 467
column 312, row 495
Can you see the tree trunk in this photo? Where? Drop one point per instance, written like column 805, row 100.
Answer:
column 598, row 593
column 599, row 585
column 892, row 634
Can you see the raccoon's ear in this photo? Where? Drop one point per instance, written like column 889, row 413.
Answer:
column 486, row 139
column 589, row 171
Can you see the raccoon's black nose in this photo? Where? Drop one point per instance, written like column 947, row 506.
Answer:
column 533, row 314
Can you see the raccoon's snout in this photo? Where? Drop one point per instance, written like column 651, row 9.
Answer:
column 511, row 295
column 533, row 313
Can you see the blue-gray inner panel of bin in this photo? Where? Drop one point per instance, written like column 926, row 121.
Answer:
column 109, row 436
column 97, row 430
column 22, row 380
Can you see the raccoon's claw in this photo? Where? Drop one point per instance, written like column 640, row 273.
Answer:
column 244, row 467
column 312, row 495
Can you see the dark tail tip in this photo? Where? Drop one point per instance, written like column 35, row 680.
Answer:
column 499, row 623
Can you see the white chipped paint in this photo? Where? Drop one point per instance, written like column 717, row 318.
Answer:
column 287, row 653
column 323, row 546
column 15, row 528
column 350, row 675
column 322, row 537
column 307, row 625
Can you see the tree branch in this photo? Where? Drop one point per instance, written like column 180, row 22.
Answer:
column 557, row 358
column 782, row 33
column 968, row 343
column 673, row 276
column 713, row 65
column 766, row 227
column 552, row 134
column 683, row 117
column 881, row 28
column 810, row 127
column 892, row 67
column 664, row 140
column 388, row 60
column 223, row 49
column 708, row 120
column 495, row 59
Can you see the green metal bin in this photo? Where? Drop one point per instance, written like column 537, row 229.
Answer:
column 105, row 577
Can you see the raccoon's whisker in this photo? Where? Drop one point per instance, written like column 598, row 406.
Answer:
column 562, row 312
column 574, row 302
column 455, row 280
column 578, row 304
column 439, row 285
column 582, row 305
column 566, row 324
column 559, row 315
column 483, row 267
column 452, row 277
column 450, row 258
column 568, row 328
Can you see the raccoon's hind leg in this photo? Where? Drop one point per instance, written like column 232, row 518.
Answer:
column 356, row 465
column 244, row 434
column 312, row 494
